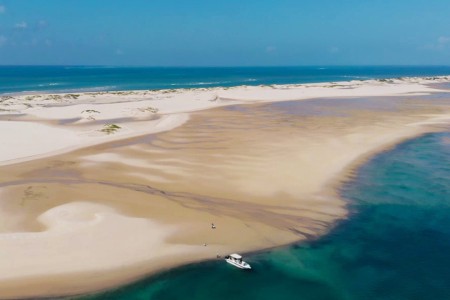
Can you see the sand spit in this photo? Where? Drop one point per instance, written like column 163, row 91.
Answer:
column 104, row 205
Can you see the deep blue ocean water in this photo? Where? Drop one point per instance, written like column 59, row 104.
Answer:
column 18, row 79
column 396, row 244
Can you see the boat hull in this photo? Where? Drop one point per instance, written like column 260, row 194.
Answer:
column 244, row 266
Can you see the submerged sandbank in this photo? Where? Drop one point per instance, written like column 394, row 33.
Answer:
column 132, row 205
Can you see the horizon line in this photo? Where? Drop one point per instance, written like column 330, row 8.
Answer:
column 220, row 66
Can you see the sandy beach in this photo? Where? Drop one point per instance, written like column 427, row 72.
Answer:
column 99, row 189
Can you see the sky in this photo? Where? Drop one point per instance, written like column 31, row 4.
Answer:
column 224, row 33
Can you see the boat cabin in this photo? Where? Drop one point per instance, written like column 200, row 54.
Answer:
column 236, row 257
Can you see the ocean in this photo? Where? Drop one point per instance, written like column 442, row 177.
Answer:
column 52, row 79
column 395, row 245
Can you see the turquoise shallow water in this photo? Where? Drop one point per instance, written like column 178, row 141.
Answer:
column 396, row 244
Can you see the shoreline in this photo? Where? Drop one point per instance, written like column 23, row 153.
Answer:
column 243, row 96
column 103, row 90
column 335, row 186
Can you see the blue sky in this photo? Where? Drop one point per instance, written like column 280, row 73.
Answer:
column 225, row 33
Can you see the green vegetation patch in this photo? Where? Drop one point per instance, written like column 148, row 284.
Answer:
column 150, row 109
column 110, row 128
column 71, row 96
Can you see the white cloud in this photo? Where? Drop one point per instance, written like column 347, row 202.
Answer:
column 21, row 25
column 334, row 50
column 41, row 24
column 441, row 44
column 271, row 49
column 3, row 40
column 2, row 9
column 443, row 40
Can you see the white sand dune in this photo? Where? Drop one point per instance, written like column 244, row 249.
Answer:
column 73, row 233
column 133, row 111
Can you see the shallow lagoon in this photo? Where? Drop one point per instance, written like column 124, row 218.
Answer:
column 395, row 245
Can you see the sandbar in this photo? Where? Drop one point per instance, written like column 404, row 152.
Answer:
column 100, row 189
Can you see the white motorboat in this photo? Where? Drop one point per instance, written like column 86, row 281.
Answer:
column 236, row 260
